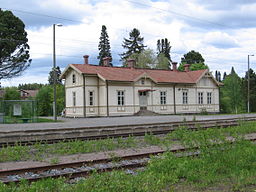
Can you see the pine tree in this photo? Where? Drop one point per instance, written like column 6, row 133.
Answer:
column 164, row 47
column 224, row 75
column 104, row 45
column 219, row 76
column 133, row 45
column 216, row 75
column 14, row 50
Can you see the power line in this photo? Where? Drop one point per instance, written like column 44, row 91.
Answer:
column 42, row 15
column 180, row 14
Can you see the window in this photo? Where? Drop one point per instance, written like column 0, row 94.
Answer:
column 185, row 97
column 73, row 78
column 91, row 97
column 163, row 97
column 209, row 98
column 120, row 97
column 74, row 98
column 142, row 81
column 144, row 93
column 200, row 98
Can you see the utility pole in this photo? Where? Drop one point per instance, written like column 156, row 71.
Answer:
column 54, row 74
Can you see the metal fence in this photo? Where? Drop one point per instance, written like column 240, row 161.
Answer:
column 18, row 111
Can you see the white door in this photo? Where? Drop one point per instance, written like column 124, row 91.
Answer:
column 143, row 100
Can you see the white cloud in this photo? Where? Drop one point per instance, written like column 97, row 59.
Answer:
column 221, row 48
column 220, row 40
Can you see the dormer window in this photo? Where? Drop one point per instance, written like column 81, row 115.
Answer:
column 73, row 78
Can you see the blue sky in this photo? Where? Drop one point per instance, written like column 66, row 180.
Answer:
column 223, row 31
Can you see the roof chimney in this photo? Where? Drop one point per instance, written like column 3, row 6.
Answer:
column 186, row 66
column 131, row 63
column 86, row 59
column 174, row 66
column 106, row 61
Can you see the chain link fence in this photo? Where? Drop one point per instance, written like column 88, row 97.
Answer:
column 18, row 111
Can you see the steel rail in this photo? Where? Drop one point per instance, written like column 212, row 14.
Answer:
column 71, row 174
column 92, row 133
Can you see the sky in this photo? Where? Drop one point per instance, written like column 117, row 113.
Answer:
column 223, row 31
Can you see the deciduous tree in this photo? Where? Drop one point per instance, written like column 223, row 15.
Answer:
column 148, row 59
column 195, row 59
column 11, row 93
column 44, row 100
column 232, row 100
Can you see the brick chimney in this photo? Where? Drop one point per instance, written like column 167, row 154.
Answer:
column 106, row 61
column 186, row 67
column 86, row 57
column 174, row 66
column 131, row 63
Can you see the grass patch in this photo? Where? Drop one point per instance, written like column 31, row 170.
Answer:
column 220, row 167
column 186, row 137
column 46, row 120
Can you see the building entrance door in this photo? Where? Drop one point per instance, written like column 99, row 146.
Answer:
column 143, row 100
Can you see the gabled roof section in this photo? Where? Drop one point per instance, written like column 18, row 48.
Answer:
column 133, row 74
column 70, row 66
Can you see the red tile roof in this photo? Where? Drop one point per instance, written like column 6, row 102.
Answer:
column 132, row 74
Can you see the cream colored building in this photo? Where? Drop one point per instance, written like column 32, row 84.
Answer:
column 93, row 90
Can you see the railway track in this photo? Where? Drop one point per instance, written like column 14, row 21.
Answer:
column 84, row 168
column 29, row 137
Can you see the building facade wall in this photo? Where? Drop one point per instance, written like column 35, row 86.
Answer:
column 96, row 90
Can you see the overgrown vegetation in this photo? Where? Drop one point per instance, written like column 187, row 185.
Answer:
column 219, row 167
column 41, row 151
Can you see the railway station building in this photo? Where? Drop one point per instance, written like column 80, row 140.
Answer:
column 93, row 90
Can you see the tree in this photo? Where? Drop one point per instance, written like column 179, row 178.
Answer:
column 148, row 59
column 224, row 75
column 252, row 91
column 162, row 62
column 104, row 45
column 195, row 59
column 164, row 47
column 218, row 76
column 232, row 100
column 51, row 76
column 133, row 45
column 11, row 93
column 30, row 86
column 14, row 50
column 44, row 100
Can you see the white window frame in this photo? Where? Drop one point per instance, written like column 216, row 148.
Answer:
column 142, row 81
column 200, row 98
column 209, row 97
column 120, row 97
column 74, row 98
column 91, row 98
column 185, row 97
column 163, row 95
